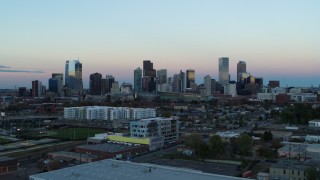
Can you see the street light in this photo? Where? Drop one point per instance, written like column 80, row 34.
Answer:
column 18, row 130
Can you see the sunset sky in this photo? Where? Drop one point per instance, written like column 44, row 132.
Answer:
column 279, row 40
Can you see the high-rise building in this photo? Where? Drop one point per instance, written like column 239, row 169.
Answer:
column 182, row 81
column 23, row 92
column 137, row 78
column 207, row 84
column 36, row 88
column 176, row 83
column 73, row 76
column 148, row 69
column 59, row 78
column 162, row 76
column 103, row 86
column 213, row 86
column 95, row 84
column 109, row 81
column 241, row 68
column 190, row 77
column 224, row 70
column 53, row 85
column 149, row 75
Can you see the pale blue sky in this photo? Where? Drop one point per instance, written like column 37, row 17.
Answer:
column 279, row 39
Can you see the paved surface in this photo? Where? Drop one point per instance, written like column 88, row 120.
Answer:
column 23, row 173
column 214, row 168
column 154, row 155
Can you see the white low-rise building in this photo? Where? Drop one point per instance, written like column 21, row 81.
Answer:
column 168, row 128
column 107, row 113
column 314, row 124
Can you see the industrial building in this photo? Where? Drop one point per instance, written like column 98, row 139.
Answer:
column 113, row 169
column 8, row 165
column 113, row 150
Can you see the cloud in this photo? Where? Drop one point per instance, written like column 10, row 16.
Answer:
column 6, row 69
column 20, row 71
column 1, row 66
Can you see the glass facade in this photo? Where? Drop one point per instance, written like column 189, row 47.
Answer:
column 73, row 76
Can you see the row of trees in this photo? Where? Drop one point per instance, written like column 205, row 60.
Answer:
column 300, row 114
column 241, row 145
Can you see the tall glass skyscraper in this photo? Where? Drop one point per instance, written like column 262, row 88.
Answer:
column 224, row 70
column 137, row 75
column 191, row 76
column 73, row 76
column 241, row 68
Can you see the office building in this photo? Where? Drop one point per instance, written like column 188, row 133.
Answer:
column 149, row 75
column 224, row 70
column 162, row 76
column 115, row 88
column 53, row 85
column 179, row 82
column 176, row 83
column 23, row 92
column 213, row 86
column 241, row 68
column 137, row 78
column 182, row 81
column 230, row 89
column 95, row 84
column 36, row 88
column 109, row 80
column 103, row 86
column 73, row 76
column 59, row 78
column 207, row 84
column 190, row 78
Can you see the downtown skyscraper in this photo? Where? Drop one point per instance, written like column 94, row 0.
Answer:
column 224, row 70
column 137, row 78
column 241, row 68
column 149, row 75
column 95, row 84
column 73, row 76
column 191, row 76
column 109, row 81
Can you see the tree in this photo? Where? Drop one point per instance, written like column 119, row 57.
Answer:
column 245, row 143
column 193, row 141
column 312, row 173
column 203, row 150
column 216, row 145
column 166, row 114
column 267, row 136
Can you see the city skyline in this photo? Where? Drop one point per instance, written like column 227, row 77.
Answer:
column 277, row 40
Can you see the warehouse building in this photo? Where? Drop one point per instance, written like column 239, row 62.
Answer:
column 113, row 169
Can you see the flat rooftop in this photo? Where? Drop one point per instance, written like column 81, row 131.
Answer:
column 108, row 147
column 116, row 170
